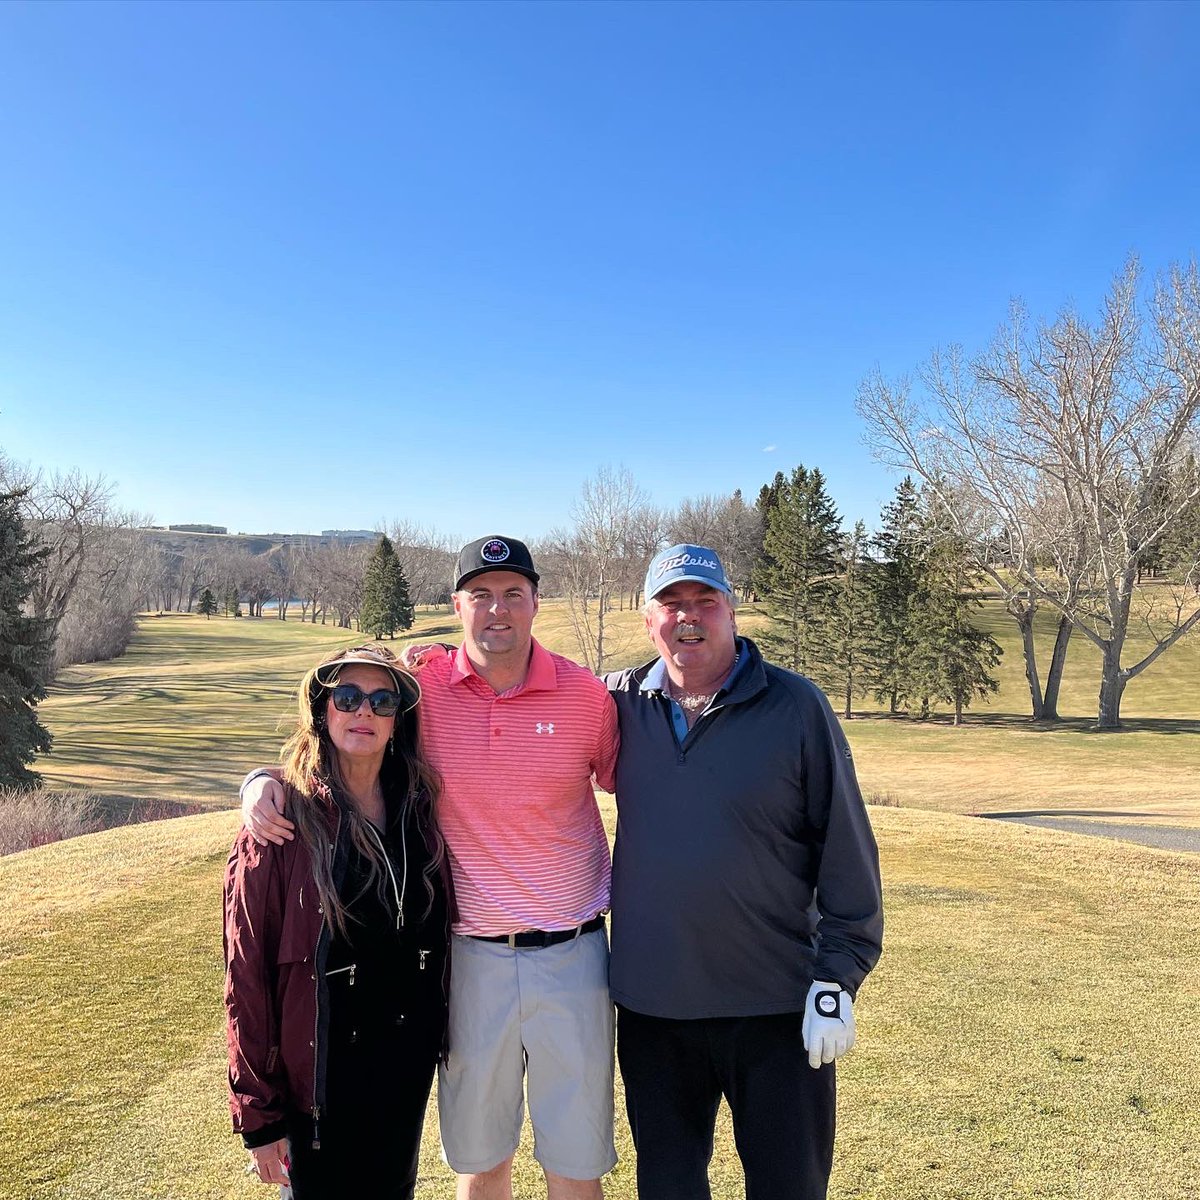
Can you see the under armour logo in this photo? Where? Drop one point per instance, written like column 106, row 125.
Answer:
column 548, row 727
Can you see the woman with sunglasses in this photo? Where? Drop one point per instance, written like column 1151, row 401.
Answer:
column 335, row 944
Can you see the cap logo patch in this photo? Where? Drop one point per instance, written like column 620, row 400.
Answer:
column 494, row 551
column 684, row 560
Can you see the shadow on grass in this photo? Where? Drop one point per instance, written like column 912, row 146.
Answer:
column 1021, row 813
column 434, row 631
column 1161, row 725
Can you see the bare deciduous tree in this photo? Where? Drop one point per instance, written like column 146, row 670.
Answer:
column 697, row 520
column 727, row 525
column 100, row 617
column 195, row 570
column 89, row 583
column 590, row 559
column 647, row 535
column 285, row 567
column 427, row 558
column 253, row 573
column 347, row 564
column 63, row 511
column 1059, row 453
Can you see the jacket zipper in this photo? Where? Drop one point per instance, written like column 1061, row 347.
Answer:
column 316, row 1108
column 398, row 892
column 694, row 733
column 342, row 971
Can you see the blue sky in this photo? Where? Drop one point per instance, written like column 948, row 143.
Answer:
column 292, row 267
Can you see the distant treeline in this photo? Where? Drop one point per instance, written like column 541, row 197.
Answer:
column 1058, row 468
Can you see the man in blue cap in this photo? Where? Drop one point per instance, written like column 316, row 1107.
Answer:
column 746, row 906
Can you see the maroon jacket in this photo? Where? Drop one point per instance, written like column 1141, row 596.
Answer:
column 276, row 995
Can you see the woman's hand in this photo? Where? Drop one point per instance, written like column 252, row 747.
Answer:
column 271, row 1161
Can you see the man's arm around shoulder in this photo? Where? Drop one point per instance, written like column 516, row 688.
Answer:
column 263, row 799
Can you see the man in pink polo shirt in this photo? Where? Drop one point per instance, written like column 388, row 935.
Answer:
column 517, row 734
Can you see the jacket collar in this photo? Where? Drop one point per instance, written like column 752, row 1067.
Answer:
column 746, row 680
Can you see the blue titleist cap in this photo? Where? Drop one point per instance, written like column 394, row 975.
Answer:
column 678, row 564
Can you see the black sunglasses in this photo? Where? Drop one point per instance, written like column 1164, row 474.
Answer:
column 348, row 698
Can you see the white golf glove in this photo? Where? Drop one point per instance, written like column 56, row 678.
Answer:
column 828, row 1029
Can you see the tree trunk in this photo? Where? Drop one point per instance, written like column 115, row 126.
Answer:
column 1024, row 620
column 958, row 708
column 601, row 605
column 1112, row 686
column 1058, row 660
column 848, row 697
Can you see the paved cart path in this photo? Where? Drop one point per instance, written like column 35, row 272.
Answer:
column 1163, row 837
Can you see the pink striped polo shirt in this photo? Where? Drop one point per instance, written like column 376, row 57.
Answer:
column 526, row 844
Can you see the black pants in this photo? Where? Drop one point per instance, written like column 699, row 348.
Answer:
column 675, row 1074
column 369, row 1142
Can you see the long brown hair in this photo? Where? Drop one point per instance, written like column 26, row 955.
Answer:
column 310, row 770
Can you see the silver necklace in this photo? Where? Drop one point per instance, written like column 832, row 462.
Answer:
column 690, row 702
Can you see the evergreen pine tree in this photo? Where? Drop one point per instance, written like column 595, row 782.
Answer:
column 1180, row 546
column 404, row 605
column 208, row 604
column 25, row 645
column 799, row 576
column 894, row 579
column 852, row 620
column 951, row 658
column 768, row 498
column 385, row 603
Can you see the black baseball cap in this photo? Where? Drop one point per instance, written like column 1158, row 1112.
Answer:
column 494, row 553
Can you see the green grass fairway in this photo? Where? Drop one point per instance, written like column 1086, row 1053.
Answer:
column 195, row 703
column 1032, row 1032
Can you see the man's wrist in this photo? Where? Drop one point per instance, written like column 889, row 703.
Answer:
column 829, row 980
column 257, row 773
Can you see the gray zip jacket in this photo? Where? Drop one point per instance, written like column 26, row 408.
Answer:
column 744, row 865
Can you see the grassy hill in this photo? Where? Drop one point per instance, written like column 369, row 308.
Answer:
column 1030, row 1033
column 195, row 703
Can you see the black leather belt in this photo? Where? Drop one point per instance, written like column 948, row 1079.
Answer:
column 536, row 939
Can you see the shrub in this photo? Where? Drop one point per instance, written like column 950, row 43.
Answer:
column 35, row 817
column 32, row 817
column 884, row 800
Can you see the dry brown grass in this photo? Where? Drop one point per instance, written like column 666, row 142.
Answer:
column 1033, row 1030
column 196, row 703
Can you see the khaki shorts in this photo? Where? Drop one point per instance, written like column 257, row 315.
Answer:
column 539, row 1017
